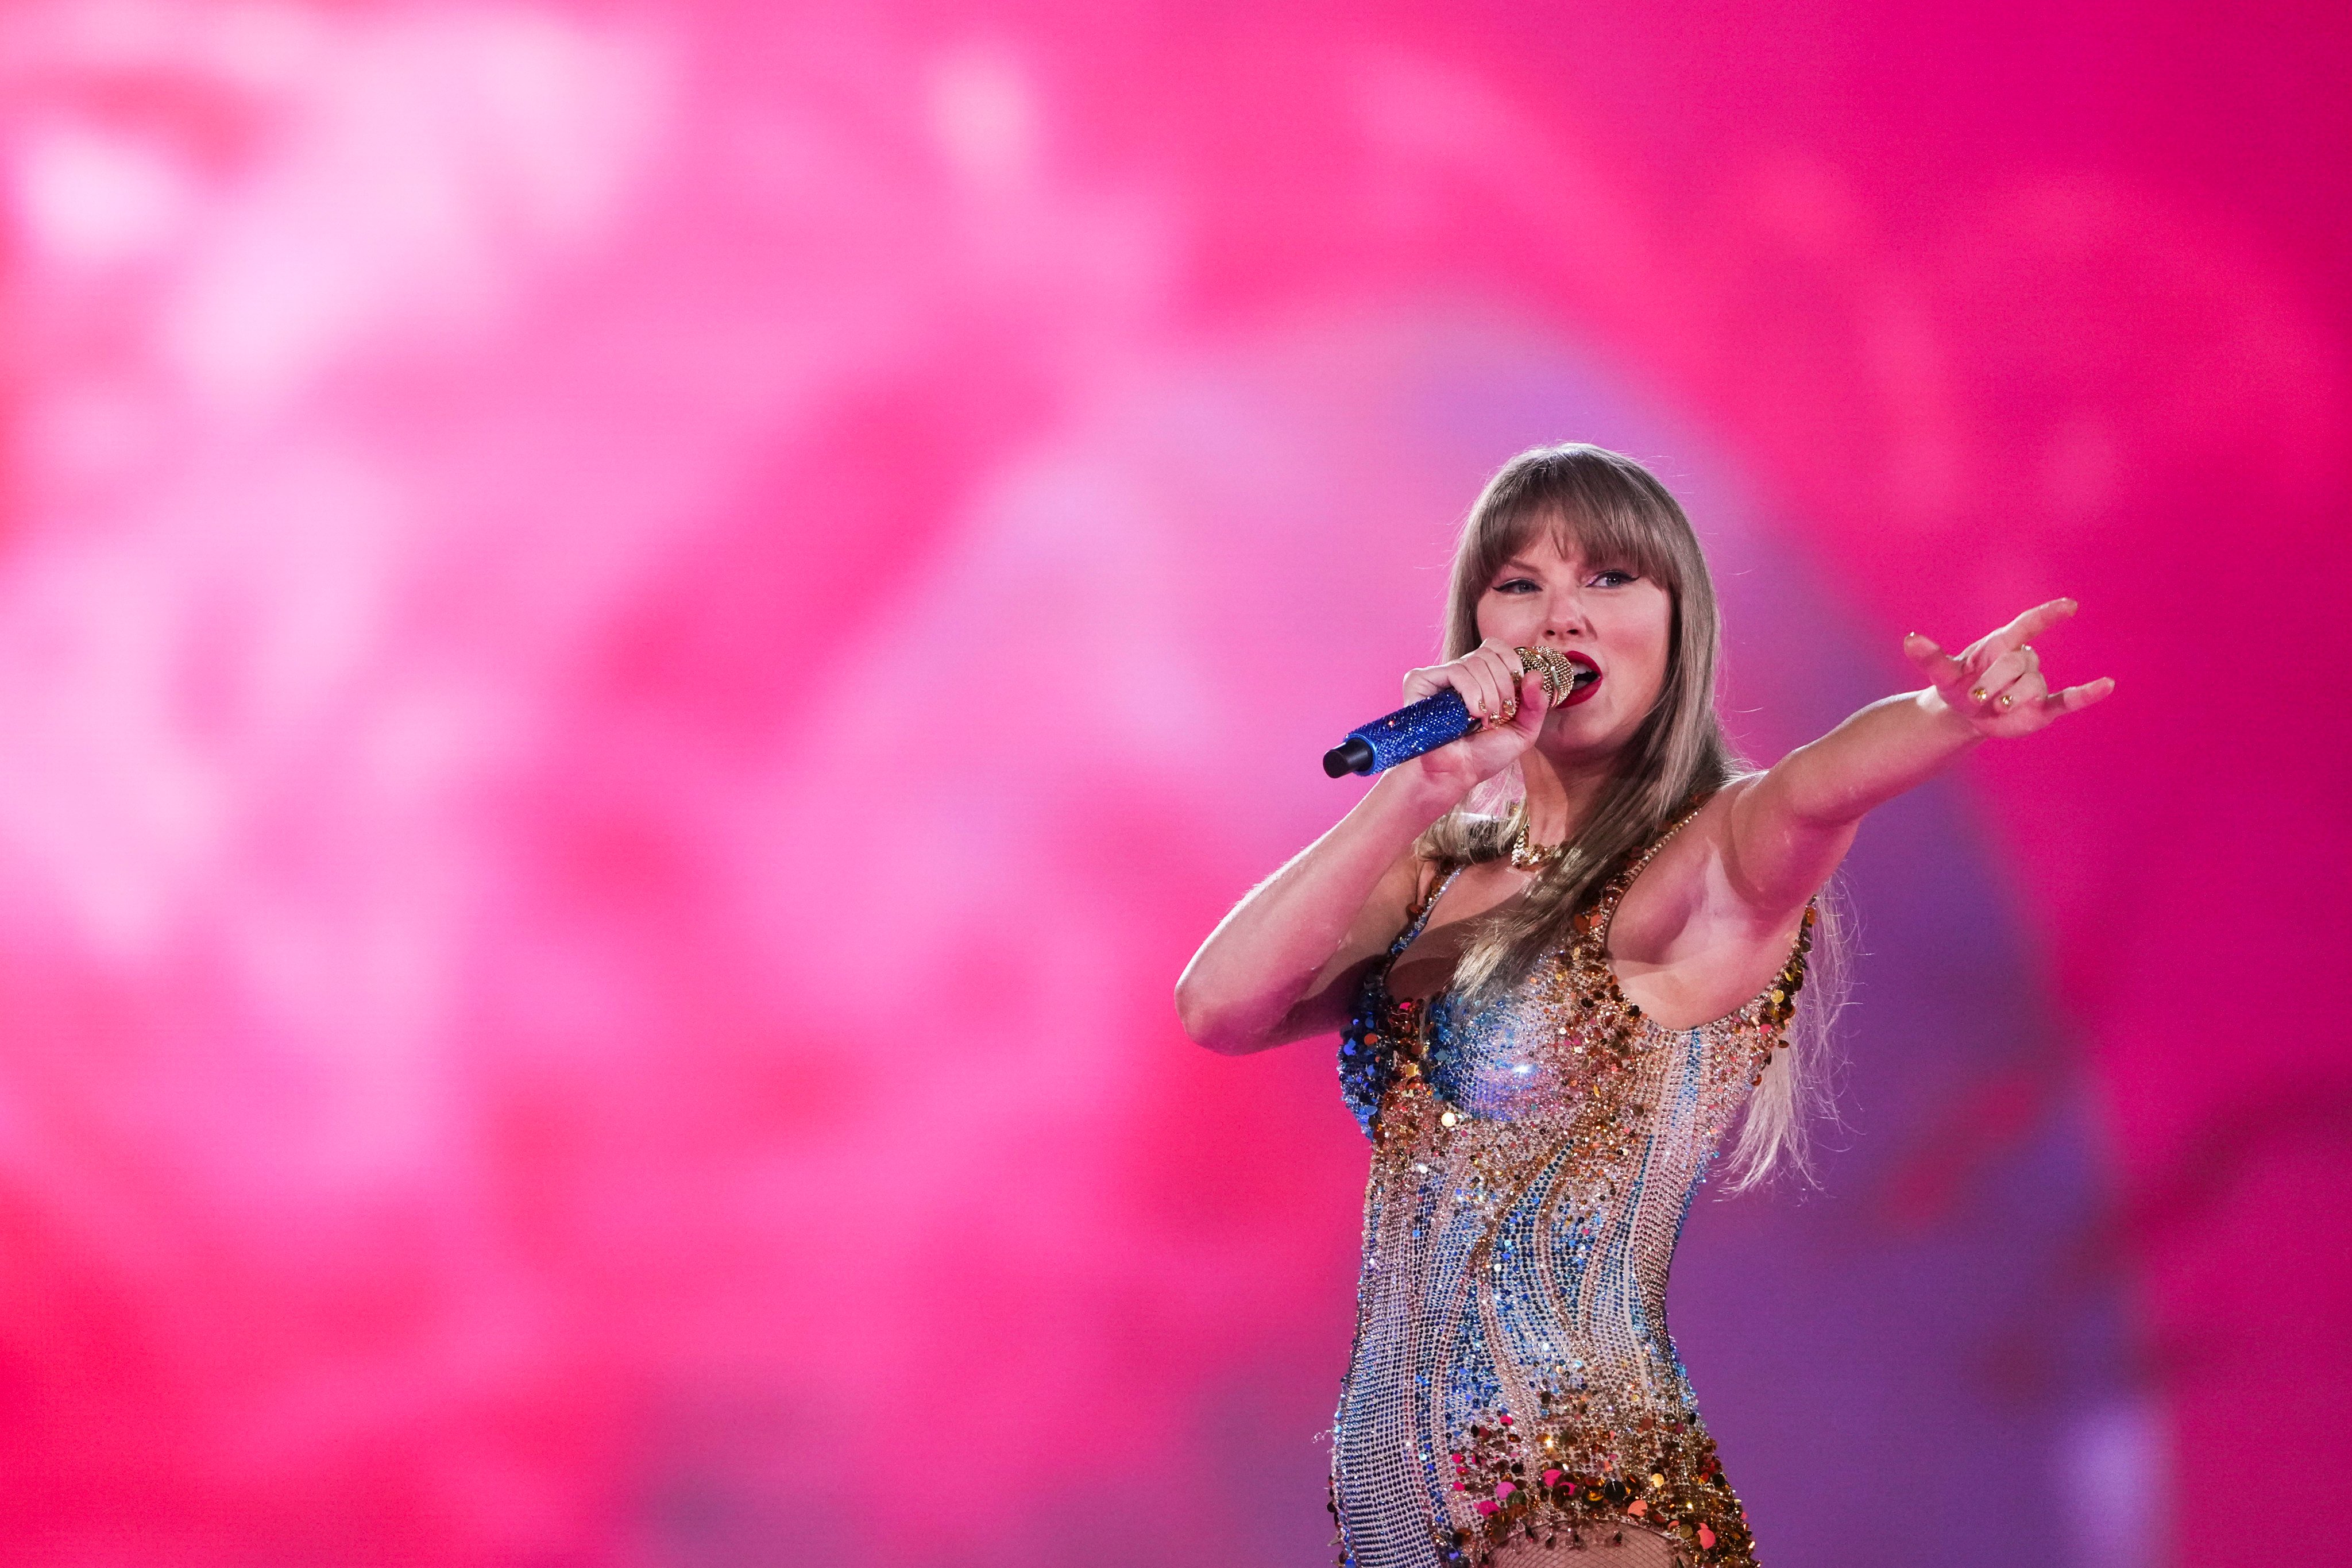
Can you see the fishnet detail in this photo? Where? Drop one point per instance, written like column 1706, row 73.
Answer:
column 1513, row 1392
column 1613, row 1546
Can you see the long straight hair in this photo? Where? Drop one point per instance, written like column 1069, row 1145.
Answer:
column 1606, row 507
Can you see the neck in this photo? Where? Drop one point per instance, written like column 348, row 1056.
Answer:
column 1560, row 795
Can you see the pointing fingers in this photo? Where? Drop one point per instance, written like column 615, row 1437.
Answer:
column 2075, row 698
column 1940, row 667
column 2031, row 623
column 1996, row 683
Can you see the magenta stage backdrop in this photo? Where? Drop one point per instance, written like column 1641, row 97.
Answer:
column 635, row 638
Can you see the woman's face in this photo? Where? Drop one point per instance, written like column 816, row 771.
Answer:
column 1598, row 612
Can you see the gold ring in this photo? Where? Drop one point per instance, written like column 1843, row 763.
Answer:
column 1978, row 695
column 2006, row 700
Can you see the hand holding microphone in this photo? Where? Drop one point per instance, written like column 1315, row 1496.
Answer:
column 1496, row 696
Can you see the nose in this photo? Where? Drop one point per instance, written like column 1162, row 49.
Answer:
column 1564, row 619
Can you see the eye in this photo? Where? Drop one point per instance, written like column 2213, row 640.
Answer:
column 1613, row 578
column 1517, row 585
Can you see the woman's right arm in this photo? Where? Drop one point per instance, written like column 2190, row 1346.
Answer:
column 1285, row 964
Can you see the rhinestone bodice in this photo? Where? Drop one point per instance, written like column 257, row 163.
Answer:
column 1532, row 1163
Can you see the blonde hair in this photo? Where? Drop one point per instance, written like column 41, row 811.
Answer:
column 1611, row 508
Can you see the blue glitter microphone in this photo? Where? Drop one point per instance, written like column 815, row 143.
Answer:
column 1439, row 718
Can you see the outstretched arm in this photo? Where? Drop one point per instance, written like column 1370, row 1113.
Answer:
column 1790, row 827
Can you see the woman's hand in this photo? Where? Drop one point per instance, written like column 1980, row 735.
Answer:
column 1783, row 831
column 1286, row 962
column 1995, row 686
column 1511, row 703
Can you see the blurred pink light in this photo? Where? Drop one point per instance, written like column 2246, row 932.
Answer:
column 634, row 639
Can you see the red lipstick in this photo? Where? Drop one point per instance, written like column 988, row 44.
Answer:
column 1587, row 682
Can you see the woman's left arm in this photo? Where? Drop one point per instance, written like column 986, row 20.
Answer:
column 1788, row 828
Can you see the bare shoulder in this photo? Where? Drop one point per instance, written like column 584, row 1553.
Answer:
column 1685, row 945
column 1685, row 898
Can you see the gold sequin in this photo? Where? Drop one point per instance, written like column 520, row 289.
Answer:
column 1599, row 1410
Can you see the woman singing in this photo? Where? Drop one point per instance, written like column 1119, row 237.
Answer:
column 1562, row 953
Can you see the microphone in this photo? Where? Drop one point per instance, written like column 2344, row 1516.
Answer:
column 1441, row 717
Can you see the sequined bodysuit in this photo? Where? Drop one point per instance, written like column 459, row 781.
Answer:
column 1512, row 1383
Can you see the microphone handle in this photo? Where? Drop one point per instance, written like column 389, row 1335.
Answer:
column 1416, row 728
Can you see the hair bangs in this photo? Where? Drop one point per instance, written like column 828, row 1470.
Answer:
column 1599, row 524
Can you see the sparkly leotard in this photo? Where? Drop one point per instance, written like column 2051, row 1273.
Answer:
column 1512, row 1383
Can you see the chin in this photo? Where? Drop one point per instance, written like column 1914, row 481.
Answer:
column 1574, row 734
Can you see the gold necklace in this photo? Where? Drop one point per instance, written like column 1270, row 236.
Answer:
column 1526, row 856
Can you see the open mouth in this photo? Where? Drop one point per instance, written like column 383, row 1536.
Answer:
column 1584, row 683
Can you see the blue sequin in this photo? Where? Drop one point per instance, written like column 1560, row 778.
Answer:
column 1534, row 1162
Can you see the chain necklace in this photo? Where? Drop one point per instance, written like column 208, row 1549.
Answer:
column 1526, row 856
column 1559, row 673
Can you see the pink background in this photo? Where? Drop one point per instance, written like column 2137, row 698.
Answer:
column 634, row 641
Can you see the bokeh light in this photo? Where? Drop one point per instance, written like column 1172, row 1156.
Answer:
column 634, row 640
